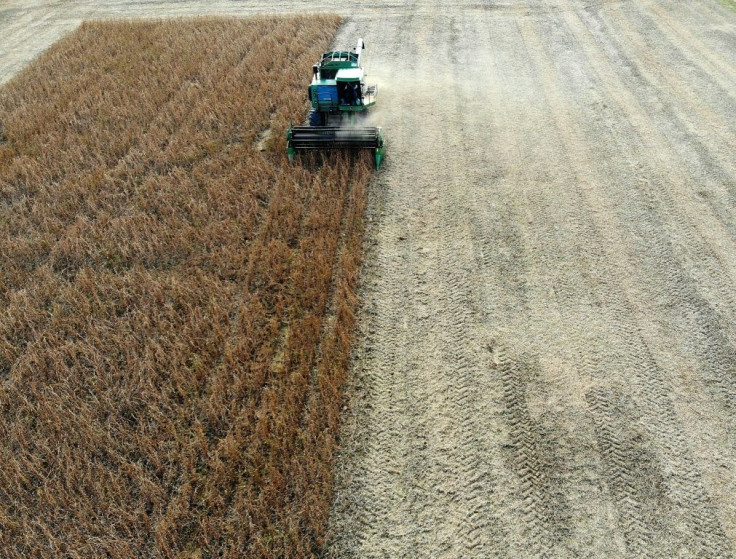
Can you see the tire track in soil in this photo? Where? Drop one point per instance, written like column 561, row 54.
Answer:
column 442, row 391
column 533, row 459
column 539, row 496
column 705, row 529
column 664, row 404
column 704, row 55
column 710, row 349
column 659, row 393
column 563, row 264
column 559, row 231
column 693, row 103
column 619, row 447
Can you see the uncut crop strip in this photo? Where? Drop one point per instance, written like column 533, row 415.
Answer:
column 175, row 306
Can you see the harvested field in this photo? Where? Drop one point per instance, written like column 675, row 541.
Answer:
column 175, row 303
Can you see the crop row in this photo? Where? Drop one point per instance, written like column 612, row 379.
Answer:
column 176, row 306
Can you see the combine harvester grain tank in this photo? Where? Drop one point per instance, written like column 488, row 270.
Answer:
column 340, row 100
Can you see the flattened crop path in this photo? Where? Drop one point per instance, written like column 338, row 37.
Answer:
column 546, row 364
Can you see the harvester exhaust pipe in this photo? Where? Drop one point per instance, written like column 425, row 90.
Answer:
column 359, row 51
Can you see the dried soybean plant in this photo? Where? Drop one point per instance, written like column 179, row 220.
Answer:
column 175, row 305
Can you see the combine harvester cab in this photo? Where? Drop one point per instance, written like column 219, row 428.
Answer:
column 340, row 99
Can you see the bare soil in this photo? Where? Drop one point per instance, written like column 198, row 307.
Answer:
column 547, row 354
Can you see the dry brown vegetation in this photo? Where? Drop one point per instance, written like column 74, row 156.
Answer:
column 175, row 305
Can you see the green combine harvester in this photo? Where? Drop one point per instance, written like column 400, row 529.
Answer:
column 340, row 100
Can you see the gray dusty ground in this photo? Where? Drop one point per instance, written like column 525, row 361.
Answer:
column 546, row 363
